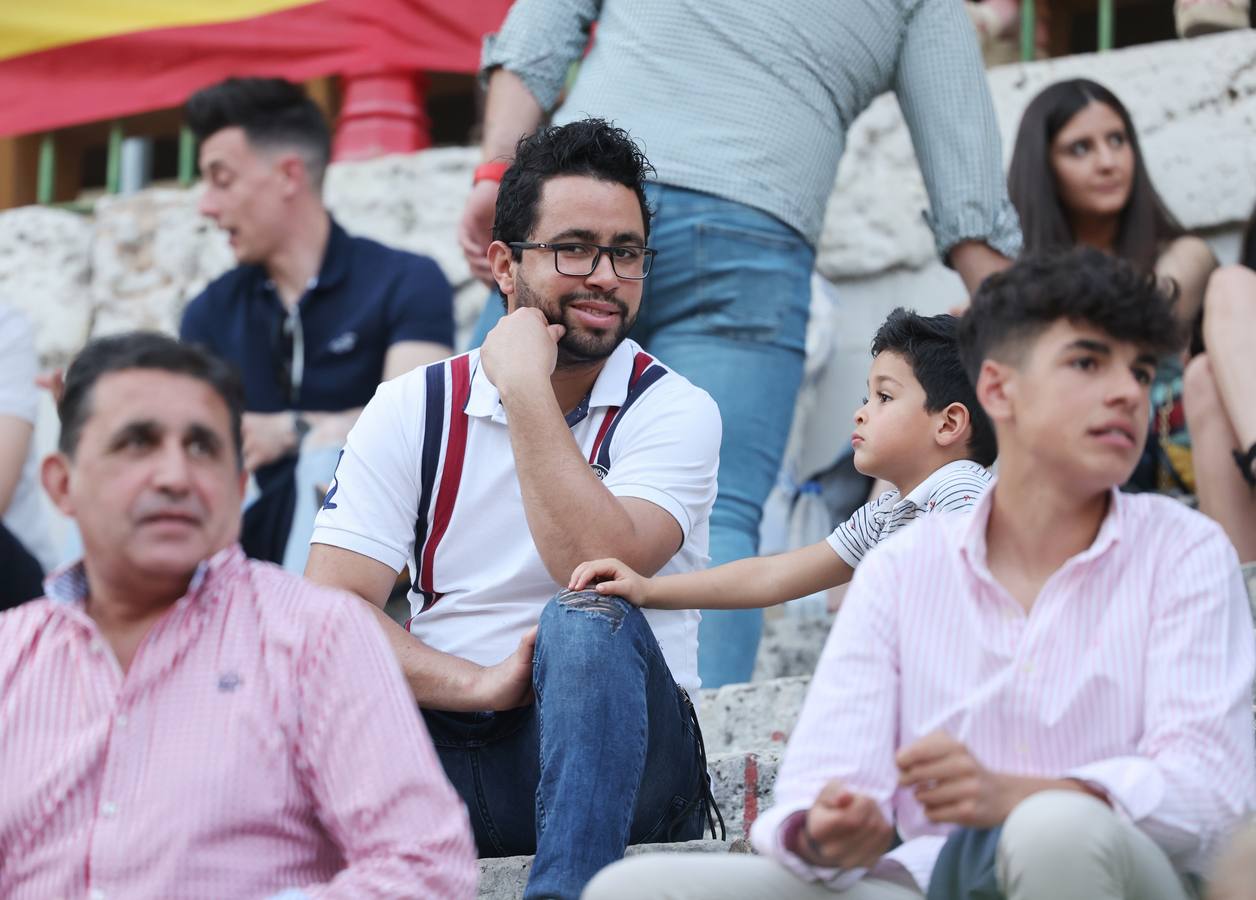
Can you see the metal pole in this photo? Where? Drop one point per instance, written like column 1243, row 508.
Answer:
column 46, row 181
column 113, row 164
column 187, row 156
column 1028, row 23
column 1107, row 24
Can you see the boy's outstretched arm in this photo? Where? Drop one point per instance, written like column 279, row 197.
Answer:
column 750, row 583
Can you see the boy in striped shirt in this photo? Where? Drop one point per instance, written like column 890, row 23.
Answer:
column 920, row 428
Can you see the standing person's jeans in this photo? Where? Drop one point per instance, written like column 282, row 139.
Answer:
column 726, row 306
column 608, row 755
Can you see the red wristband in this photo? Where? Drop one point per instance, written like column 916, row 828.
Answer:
column 489, row 171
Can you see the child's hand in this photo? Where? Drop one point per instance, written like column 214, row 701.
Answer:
column 610, row 576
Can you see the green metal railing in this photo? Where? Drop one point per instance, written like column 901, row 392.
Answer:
column 46, row 178
column 1029, row 22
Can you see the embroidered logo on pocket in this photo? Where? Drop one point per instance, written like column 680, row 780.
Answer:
column 345, row 343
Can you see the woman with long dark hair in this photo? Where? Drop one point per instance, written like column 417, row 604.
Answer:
column 1078, row 177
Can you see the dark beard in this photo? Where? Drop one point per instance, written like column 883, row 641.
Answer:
column 576, row 348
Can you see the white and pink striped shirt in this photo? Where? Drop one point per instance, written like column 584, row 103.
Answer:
column 262, row 741
column 1132, row 670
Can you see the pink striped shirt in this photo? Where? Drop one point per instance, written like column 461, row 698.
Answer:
column 263, row 740
column 1133, row 671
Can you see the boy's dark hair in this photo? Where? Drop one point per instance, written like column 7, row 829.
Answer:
column 272, row 112
column 1085, row 286
column 929, row 346
column 590, row 147
column 143, row 350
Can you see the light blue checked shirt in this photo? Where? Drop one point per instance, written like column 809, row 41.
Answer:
column 751, row 101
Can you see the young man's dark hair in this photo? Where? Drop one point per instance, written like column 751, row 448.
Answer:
column 928, row 344
column 1081, row 285
column 272, row 112
column 142, row 350
column 590, row 147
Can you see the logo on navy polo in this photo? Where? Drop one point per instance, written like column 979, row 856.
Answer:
column 344, row 344
column 599, row 470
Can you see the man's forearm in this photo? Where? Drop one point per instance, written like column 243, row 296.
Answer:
column 571, row 514
column 510, row 112
column 437, row 680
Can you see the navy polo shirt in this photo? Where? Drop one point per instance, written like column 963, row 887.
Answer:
column 366, row 298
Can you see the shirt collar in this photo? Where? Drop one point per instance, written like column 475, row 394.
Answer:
column 331, row 271
column 67, row 586
column 610, row 388
column 920, row 494
column 973, row 541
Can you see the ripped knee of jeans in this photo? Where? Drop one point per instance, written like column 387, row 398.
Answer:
column 611, row 608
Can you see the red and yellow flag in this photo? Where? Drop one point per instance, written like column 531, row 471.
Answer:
column 63, row 62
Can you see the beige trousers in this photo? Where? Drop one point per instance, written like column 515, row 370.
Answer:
column 1055, row 845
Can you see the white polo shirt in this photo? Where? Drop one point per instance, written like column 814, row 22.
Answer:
column 427, row 479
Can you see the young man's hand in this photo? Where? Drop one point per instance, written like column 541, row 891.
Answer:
column 952, row 785
column 521, row 350
column 610, row 576
column 267, row 437
column 843, row 830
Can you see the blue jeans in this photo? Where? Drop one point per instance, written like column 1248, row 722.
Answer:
column 726, row 306
column 608, row 755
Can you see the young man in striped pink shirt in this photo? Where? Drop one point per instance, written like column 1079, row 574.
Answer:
column 179, row 721
column 1049, row 697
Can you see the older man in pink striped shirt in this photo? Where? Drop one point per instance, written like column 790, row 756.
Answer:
column 1058, row 683
column 179, row 721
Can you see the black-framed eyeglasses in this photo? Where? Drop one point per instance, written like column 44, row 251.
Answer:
column 581, row 259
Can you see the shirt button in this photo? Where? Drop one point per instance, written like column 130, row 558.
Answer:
column 122, row 720
column 96, row 894
column 108, row 809
column 98, row 648
column 1028, row 668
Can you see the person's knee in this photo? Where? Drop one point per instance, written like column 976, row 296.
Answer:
column 1054, row 828
column 623, row 880
column 1200, row 399
column 586, row 622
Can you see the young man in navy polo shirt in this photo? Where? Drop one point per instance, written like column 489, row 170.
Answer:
column 492, row 476
column 314, row 319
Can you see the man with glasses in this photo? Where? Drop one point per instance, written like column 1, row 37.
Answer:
column 745, row 108
column 565, row 723
column 313, row 317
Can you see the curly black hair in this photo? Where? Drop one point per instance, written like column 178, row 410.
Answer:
column 590, row 147
column 272, row 112
column 1083, row 285
column 929, row 346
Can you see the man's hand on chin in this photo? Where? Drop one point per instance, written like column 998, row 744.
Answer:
column 521, row 350
column 508, row 684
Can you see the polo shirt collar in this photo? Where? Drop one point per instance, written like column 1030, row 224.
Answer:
column 973, row 540
column 610, row 388
column 920, row 494
column 335, row 265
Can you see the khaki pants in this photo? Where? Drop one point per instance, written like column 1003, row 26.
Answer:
column 1057, row 844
